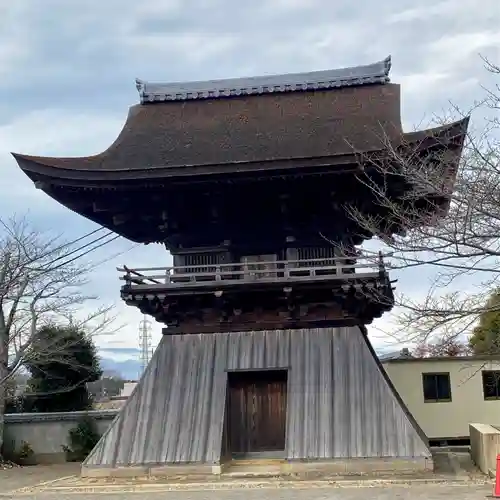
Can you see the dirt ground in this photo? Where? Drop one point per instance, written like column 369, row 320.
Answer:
column 23, row 477
column 62, row 482
column 409, row 492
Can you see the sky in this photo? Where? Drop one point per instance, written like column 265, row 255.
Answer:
column 67, row 71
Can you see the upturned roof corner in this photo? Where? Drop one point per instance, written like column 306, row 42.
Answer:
column 140, row 85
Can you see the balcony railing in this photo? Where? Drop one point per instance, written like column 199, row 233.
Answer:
column 342, row 268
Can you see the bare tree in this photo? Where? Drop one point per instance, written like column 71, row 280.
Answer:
column 450, row 348
column 41, row 280
column 429, row 213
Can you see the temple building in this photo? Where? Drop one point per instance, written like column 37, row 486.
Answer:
column 265, row 350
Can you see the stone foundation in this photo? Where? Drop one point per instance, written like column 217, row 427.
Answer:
column 243, row 468
column 192, row 470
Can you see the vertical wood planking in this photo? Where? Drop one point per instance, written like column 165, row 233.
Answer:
column 339, row 404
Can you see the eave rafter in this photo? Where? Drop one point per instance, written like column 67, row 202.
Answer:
column 150, row 214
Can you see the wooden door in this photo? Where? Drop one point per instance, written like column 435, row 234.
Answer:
column 257, row 411
column 259, row 266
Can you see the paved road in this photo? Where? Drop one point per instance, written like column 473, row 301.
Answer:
column 428, row 492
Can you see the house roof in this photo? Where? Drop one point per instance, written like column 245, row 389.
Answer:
column 462, row 359
column 389, row 356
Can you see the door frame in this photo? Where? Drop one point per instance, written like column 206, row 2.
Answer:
column 285, row 368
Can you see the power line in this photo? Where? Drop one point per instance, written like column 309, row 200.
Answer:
column 115, row 255
column 46, row 269
column 60, row 247
column 72, row 251
column 95, row 240
column 70, row 243
column 69, row 261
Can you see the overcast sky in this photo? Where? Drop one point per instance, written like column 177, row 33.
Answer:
column 67, row 70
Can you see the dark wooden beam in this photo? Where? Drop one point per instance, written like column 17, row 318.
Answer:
column 78, row 204
column 44, row 186
column 279, row 324
column 120, row 219
column 109, row 206
column 100, row 207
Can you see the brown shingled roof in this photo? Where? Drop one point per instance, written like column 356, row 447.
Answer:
column 246, row 129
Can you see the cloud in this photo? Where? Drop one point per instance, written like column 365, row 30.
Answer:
column 54, row 131
column 464, row 13
column 15, row 46
column 453, row 49
column 67, row 74
column 98, row 48
column 49, row 132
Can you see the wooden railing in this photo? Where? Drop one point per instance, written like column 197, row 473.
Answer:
column 272, row 271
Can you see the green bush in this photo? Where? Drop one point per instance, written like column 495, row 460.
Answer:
column 25, row 451
column 24, row 455
column 82, row 440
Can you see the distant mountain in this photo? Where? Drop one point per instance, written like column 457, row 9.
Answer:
column 127, row 369
column 122, row 361
column 131, row 352
column 125, row 360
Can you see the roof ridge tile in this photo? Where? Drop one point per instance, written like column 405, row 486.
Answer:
column 293, row 82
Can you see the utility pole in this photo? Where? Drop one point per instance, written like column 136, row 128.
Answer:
column 144, row 344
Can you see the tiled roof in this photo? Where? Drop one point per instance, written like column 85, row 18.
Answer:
column 389, row 356
column 318, row 80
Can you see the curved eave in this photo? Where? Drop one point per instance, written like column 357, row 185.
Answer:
column 451, row 133
column 450, row 137
column 44, row 169
column 49, row 170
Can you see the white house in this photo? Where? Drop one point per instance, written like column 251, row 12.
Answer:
column 445, row 394
column 128, row 388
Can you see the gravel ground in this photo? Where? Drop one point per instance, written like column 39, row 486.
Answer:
column 423, row 492
column 29, row 477
column 22, row 477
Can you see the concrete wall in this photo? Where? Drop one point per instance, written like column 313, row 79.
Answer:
column 46, row 433
column 467, row 405
column 484, row 447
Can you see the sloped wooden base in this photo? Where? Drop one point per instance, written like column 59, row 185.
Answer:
column 340, row 403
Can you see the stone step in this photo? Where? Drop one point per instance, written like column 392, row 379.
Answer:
column 255, row 468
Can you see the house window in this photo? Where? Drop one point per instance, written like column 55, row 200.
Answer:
column 491, row 384
column 437, row 387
